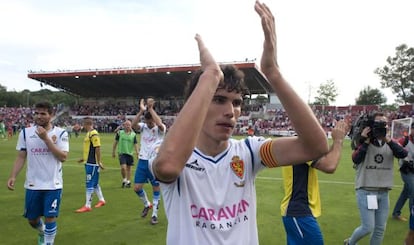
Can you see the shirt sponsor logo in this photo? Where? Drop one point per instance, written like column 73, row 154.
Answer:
column 223, row 218
column 377, row 167
column 39, row 151
column 379, row 160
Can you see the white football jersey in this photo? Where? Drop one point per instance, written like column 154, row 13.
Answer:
column 214, row 199
column 148, row 137
column 44, row 170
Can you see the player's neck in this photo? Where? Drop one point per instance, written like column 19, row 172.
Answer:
column 48, row 127
column 211, row 147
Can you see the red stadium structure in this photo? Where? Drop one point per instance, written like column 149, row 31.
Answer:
column 163, row 82
column 158, row 81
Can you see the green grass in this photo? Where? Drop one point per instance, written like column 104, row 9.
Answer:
column 119, row 221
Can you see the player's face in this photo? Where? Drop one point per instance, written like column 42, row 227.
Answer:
column 42, row 117
column 222, row 115
column 87, row 126
column 150, row 123
column 127, row 126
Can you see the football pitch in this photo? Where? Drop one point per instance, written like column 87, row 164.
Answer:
column 119, row 221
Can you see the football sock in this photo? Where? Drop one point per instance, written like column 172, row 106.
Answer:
column 143, row 196
column 50, row 233
column 39, row 226
column 98, row 192
column 89, row 193
column 156, row 199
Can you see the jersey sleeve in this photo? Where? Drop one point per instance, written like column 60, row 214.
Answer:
column 94, row 137
column 63, row 143
column 140, row 126
column 153, row 154
column 254, row 143
column 21, row 141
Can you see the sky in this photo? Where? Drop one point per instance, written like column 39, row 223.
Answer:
column 319, row 40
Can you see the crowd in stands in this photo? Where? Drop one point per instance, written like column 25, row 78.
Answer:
column 15, row 118
column 263, row 119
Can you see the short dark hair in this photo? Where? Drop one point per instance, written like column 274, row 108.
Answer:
column 88, row 120
column 147, row 115
column 233, row 81
column 45, row 105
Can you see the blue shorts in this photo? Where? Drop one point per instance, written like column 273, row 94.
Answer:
column 126, row 159
column 143, row 174
column 42, row 203
column 92, row 175
column 302, row 230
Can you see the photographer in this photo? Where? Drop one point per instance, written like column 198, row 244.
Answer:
column 374, row 160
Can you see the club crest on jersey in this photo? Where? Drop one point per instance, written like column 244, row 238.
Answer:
column 237, row 165
column 54, row 139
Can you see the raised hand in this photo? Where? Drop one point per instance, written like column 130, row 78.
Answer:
column 269, row 56
column 208, row 64
column 41, row 132
column 142, row 106
column 150, row 103
column 341, row 130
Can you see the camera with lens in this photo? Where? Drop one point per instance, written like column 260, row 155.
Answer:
column 379, row 129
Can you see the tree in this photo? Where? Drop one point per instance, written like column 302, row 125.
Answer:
column 398, row 74
column 327, row 93
column 370, row 96
column 3, row 89
column 28, row 98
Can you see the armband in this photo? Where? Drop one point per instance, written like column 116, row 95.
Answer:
column 267, row 155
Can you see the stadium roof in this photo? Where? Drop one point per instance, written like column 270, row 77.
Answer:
column 161, row 82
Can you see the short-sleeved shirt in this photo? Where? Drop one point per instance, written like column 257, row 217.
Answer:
column 44, row 170
column 148, row 137
column 90, row 142
column 301, row 186
column 213, row 201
